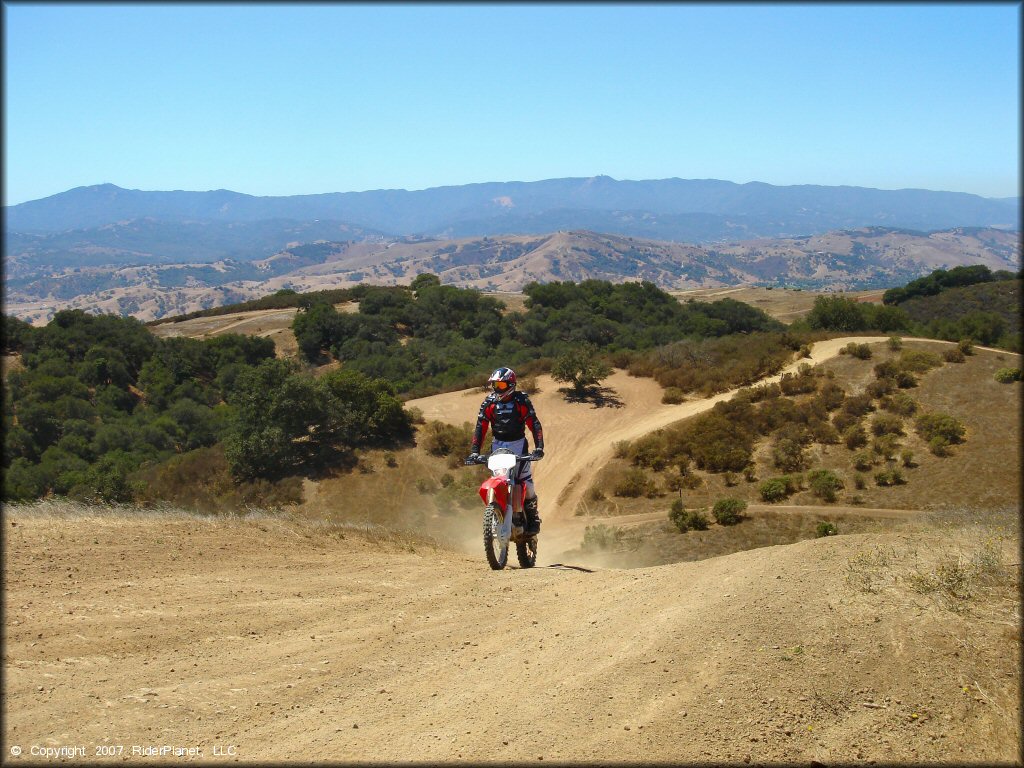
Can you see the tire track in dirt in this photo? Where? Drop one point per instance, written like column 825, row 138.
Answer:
column 289, row 641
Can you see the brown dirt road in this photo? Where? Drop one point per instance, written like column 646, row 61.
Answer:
column 273, row 640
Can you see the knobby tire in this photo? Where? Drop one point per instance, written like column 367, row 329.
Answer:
column 496, row 559
column 527, row 553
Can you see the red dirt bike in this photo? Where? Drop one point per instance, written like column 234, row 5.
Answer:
column 504, row 520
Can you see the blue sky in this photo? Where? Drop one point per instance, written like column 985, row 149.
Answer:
column 296, row 99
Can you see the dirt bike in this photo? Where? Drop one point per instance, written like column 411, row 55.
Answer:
column 504, row 520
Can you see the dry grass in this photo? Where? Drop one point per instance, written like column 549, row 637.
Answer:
column 60, row 509
column 983, row 472
column 783, row 304
column 407, row 496
column 660, row 543
column 964, row 556
column 9, row 363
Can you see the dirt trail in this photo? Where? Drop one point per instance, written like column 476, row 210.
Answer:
column 271, row 640
column 579, row 438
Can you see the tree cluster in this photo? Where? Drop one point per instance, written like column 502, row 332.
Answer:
column 430, row 337
column 941, row 279
column 98, row 397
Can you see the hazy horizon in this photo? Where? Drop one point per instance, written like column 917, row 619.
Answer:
column 495, row 181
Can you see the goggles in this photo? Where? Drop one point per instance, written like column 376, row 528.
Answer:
column 500, row 386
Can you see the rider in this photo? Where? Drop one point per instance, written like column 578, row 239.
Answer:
column 509, row 412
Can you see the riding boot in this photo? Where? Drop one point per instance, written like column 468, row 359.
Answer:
column 532, row 517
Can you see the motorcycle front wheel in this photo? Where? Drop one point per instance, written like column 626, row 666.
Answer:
column 496, row 556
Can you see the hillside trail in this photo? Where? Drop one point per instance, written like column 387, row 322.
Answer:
column 580, row 437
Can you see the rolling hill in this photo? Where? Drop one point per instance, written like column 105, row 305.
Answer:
column 845, row 260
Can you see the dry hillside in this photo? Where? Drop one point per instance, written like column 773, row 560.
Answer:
column 830, row 261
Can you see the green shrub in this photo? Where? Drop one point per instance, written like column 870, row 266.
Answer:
column 860, row 351
column 886, row 446
column 907, row 457
column 889, row 477
column 823, row 432
column 858, row 405
column 918, row 360
column 824, row 484
column 855, row 437
column 887, row 369
column 728, row 511
column 932, row 425
column 906, row 380
column 789, row 455
column 831, row 395
column 882, row 387
column 953, row 355
column 798, row 383
column 842, row 420
column 863, row 461
column 696, row 520
column 895, row 343
column 390, row 460
column 764, row 392
column 440, row 439
column 677, row 515
column 687, row 520
column 633, row 484
column 620, row 449
column 965, row 346
column 673, row 396
column 1008, row 375
column 777, row 488
column 886, row 424
column 859, row 481
column 900, row 403
column 825, row 529
column 939, row 446
column 648, row 451
column 528, row 384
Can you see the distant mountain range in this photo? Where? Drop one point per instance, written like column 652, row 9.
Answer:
column 681, row 210
column 157, row 253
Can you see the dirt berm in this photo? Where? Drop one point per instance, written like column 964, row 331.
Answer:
column 273, row 640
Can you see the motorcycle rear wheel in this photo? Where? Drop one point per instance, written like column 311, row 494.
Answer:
column 527, row 552
column 497, row 557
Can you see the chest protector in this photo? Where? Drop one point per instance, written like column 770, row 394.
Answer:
column 508, row 420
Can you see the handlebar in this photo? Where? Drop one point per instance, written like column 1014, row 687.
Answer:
column 482, row 459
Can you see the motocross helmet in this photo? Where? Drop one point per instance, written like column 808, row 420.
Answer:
column 503, row 383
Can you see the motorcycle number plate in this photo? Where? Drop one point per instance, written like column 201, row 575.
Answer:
column 501, row 461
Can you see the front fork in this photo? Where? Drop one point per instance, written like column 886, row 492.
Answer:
column 505, row 531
